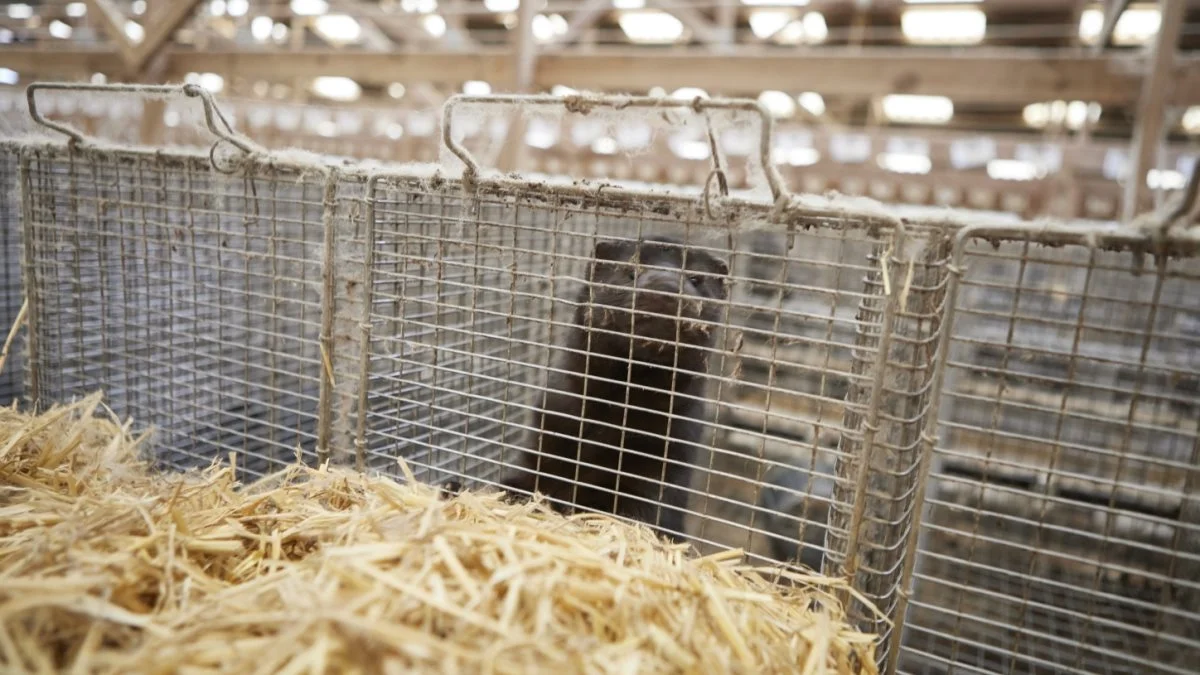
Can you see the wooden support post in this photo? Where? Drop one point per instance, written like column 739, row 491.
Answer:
column 727, row 15
column 525, row 68
column 1148, row 132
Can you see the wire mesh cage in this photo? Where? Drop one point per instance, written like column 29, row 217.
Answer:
column 1061, row 532
column 10, row 276
column 275, row 307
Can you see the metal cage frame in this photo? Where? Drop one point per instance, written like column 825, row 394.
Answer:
column 885, row 444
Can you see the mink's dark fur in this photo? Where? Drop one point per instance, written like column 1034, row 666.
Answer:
column 630, row 391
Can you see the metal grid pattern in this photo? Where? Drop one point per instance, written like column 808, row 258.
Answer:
column 278, row 308
column 10, row 275
column 1062, row 531
column 192, row 298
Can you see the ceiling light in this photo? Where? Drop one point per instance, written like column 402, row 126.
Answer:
column 779, row 104
column 1059, row 113
column 134, row 31
column 904, row 162
column 775, row 3
column 812, row 102
column 942, row 25
column 689, row 149
column 634, row 135
column 604, row 145
column 138, row 7
column 500, row 6
column 650, row 27
column 337, row 28
column 59, row 30
column 280, row 32
column 327, row 128
column 585, row 131
column 217, row 7
column 1135, row 26
column 850, row 148
column 542, row 133
column 336, row 88
column 434, row 24
column 767, row 22
column 1013, row 169
column 1191, row 120
column 211, row 81
column 546, row 28
column 907, row 108
column 1164, row 179
column 9, row 76
column 396, row 90
column 237, row 7
column 809, row 30
column 689, row 93
column 1079, row 113
column 260, row 28
column 20, row 11
column 309, row 7
column 628, row 4
column 796, row 156
column 972, row 153
column 419, row 6
column 76, row 9
column 476, row 88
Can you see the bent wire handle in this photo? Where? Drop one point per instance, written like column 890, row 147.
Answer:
column 212, row 114
column 585, row 104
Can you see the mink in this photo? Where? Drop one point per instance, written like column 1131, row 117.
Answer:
column 628, row 398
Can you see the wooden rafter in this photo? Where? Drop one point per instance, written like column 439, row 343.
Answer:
column 1148, row 132
column 1113, row 9
column 701, row 27
column 584, row 18
column 166, row 19
column 1009, row 76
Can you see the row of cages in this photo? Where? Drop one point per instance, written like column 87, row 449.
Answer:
column 1037, row 177
column 993, row 428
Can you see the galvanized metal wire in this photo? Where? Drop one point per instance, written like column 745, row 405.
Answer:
column 999, row 446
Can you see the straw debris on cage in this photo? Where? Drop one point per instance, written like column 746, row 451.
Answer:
column 109, row 567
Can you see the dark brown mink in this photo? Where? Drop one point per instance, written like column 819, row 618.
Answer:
column 628, row 397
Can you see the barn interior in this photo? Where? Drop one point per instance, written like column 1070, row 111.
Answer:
column 1034, row 500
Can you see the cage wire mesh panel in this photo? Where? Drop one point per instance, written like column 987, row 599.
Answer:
column 11, row 377
column 1063, row 526
column 473, row 295
column 192, row 298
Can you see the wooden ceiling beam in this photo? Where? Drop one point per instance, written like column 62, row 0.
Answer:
column 982, row 76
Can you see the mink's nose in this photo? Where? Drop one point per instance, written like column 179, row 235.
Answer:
column 658, row 281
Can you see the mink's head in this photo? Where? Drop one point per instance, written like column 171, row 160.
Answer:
column 656, row 290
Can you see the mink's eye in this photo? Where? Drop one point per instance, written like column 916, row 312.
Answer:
column 697, row 280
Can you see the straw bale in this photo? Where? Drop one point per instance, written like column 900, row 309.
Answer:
column 109, row 567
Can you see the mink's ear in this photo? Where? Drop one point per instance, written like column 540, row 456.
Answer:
column 607, row 249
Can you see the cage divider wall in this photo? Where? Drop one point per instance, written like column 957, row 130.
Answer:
column 273, row 306
column 887, row 405
column 11, row 384
column 1058, row 531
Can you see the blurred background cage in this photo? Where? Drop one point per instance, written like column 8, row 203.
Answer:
column 273, row 306
column 1062, row 525
column 10, row 274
